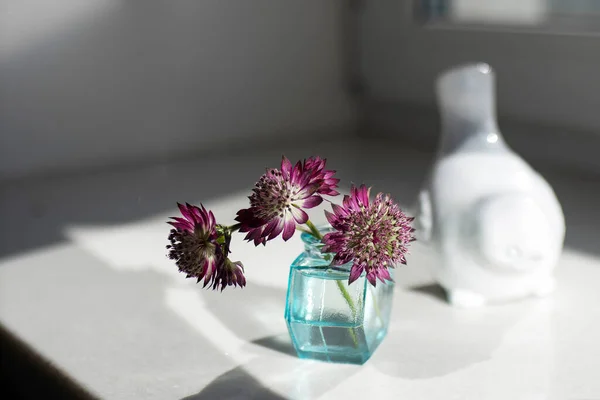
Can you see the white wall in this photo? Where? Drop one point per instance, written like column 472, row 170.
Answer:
column 86, row 83
column 550, row 79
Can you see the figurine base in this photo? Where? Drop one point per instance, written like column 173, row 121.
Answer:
column 468, row 299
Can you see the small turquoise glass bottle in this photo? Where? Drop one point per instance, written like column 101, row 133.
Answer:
column 328, row 319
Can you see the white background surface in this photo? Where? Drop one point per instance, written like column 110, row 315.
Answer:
column 101, row 82
column 85, row 281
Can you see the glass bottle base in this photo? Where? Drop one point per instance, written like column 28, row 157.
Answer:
column 332, row 321
column 313, row 342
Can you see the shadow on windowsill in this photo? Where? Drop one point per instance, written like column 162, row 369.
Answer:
column 280, row 343
column 235, row 384
column 431, row 289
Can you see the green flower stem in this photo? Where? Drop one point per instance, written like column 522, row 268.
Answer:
column 375, row 305
column 348, row 299
column 235, row 227
column 315, row 232
column 303, row 230
column 313, row 229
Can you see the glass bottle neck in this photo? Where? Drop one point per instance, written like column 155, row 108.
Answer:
column 312, row 250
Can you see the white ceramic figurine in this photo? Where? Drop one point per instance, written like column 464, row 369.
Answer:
column 496, row 224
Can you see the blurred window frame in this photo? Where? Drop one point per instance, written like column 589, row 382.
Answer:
column 548, row 88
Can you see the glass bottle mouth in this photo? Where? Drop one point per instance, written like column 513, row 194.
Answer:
column 313, row 247
column 312, row 242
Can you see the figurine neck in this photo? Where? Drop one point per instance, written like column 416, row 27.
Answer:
column 466, row 98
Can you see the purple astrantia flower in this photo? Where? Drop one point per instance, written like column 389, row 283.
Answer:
column 372, row 235
column 232, row 273
column 278, row 199
column 315, row 167
column 200, row 248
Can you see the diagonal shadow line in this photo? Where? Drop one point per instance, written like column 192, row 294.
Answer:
column 431, row 289
column 235, row 384
column 30, row 376
column 280, row 343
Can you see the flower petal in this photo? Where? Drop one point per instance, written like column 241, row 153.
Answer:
column 289, row 229
column 339, row 211
column 209, row 270
column 299, row 215
column 331, row 218
column 267, row 229
column 384, row 275
column 199, row 216
column 185, row 211
column 181, row 224
column 355, row 273
column 248, row 220
column 328, row 192
column 277, row 229
column 259, row 236
column 286, row 167
column 240, row 278
column 211, row 219
column 297, row 173
column 372, row 277
column 310, row 202
column 363, row 195
column 305, row 193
